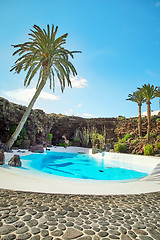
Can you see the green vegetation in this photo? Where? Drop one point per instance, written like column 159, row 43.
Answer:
column 22, row 136
column 153, row 117
column 120, row 147
column 85, row 136
column 90, row 135
column 76, row 139
column 126, row 137
column 50, row 135
column 139, row 99
column 121, row 117
column 148, row 92
column 157, row 145
column 134, row 141
column 18, row 142
column 148, row 150
column 158, row 120
column 62, row 144
column 152, row 135
column 98, row 138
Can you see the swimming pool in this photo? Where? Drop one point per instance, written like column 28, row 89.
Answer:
column 83, row 166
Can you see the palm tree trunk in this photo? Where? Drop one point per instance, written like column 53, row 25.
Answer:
column 149, row 119
column 140, row 121
column 27, row 112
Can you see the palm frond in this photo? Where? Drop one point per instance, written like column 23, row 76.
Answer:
column 45, row 51
column 148, row 91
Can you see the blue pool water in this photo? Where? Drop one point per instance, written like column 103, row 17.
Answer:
column 78, row 165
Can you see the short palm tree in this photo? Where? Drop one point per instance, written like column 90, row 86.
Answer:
column 148, row 91
column 43, row 54
column 139, row 99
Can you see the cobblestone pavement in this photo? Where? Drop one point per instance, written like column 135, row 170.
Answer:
column 26, row 215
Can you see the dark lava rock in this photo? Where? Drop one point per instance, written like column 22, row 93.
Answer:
column 5, row 148
column 37, row 149
column 15, row 161
column 2, row 158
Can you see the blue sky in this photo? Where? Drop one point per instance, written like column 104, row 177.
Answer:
column 120, row 44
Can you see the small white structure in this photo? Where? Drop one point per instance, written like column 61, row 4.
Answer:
column 153, row 113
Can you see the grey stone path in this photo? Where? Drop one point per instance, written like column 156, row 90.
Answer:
column 43, row 216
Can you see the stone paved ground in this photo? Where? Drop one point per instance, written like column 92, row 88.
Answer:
column 36, row 216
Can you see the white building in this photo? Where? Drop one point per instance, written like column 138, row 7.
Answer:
column 153, row 113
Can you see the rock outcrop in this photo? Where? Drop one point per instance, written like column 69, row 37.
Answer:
column 2, row 158
column 15, row 161
column 37, row 149
column 38, row 124
column 4, row 148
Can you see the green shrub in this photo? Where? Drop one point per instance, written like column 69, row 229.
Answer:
column 121, row 117
column 148, row 150
column 121, row 140
column 158, row 120
column 76, row 139
column 62, row 144
column 134, row 141
column 22, row 135
column 120, row 147
column 18, row 142
column 70, row 143
column 153, row 117
column 50, row 135
column 157, row 145
column 152, row 135
column 126, row 137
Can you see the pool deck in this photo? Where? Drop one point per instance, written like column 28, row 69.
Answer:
column 35, row 181
column 35, row 216
column 31, row 215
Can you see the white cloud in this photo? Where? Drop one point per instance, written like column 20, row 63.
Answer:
column 78, row 83
column 79, row 105
column 88, row 115
column 69, row 112
column 23, row 96
column 157, row 4
column 77, row 114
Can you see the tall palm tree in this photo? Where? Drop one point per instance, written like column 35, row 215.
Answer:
column 139, row 99
column 43, row 54
column 148, row 91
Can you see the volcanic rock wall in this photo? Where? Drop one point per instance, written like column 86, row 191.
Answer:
column 40, row 124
